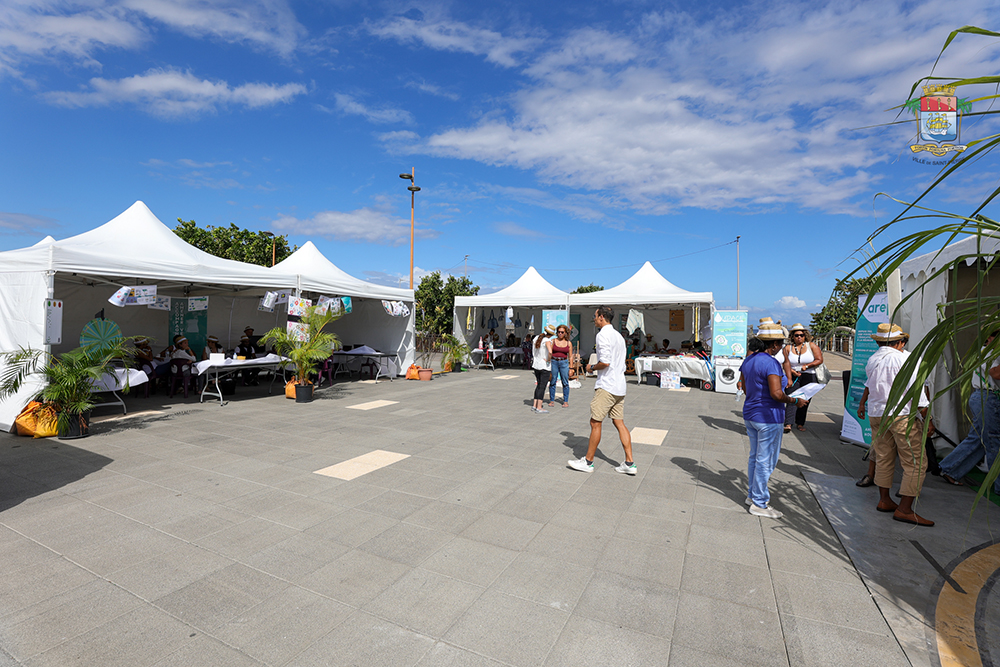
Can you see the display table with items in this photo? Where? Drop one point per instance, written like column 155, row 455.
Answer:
column 694, row 368
column 116, row 381
column 217, row 369
column 497, row 355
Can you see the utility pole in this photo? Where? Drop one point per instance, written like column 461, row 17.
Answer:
column 737, row 273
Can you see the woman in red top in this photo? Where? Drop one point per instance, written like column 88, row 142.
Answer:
column 561, row 349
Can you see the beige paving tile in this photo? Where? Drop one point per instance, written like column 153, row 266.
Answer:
column 371, row 405
column 648, row 436
column 361, row 465
column 504, row 377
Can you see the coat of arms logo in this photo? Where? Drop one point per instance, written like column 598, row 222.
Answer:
column 939, row 120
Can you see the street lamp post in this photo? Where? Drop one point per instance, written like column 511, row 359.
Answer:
column 274, row 245
column 413, row 193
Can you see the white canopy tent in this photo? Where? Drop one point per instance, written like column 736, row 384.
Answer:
column 655, row 296
column 368, row 323
column 134, row 248
column 528, row 296
column 920, row 313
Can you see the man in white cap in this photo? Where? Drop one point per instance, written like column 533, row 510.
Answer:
column 609, row 394
column 902, row 437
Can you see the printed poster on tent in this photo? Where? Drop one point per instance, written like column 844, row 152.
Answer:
column 729, row 333
column 876, row 313
column 297, row 306
column 555, row 318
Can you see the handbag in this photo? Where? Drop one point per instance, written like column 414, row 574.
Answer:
column 822, row 373
column 492, row 324
column 517, row 322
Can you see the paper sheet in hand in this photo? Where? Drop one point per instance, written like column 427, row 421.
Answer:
column 808, row 391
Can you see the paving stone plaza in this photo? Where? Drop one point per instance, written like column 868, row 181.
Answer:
column 437, row 523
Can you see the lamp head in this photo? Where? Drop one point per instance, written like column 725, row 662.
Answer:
column 413, row 188
column 408, row 177
column 267, row 233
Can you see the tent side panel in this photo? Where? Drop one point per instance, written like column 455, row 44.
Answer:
column 22, row 313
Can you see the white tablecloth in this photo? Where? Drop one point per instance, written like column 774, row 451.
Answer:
column 115, row 381
column 688, row 367
column 235, row 364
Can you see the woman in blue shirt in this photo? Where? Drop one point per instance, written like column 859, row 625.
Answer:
column 764, row 415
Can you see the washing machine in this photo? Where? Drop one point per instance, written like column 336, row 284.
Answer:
column 727, row 374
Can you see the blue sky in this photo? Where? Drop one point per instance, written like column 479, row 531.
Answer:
column 580, row 138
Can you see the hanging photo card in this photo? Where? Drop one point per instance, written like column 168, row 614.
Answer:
column 142, row 295
column 197, row 303
column 270, row 298
column 297, row 306
column 263, row 307
column 346, row 300
column 325, row 303
column 118, row 298
column 298, row 331
column 282, row 297
column 160, row 303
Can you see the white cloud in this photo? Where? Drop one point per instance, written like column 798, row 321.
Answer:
column 789, row 302
column 267, row 24
column 514, row 229
column 442, row 33
column 170, row 93
column 23, row 223
column 368, row 225
column 384, row 116
column 672, row 114
column 431, row 89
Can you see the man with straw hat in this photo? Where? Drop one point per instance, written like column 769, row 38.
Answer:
column 764, row 416
column 902, row 437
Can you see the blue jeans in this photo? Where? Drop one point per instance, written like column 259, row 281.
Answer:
column 765, row 443
column 983, row 438
column 560, row 369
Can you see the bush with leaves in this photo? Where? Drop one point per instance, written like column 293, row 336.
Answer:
column 306, row 354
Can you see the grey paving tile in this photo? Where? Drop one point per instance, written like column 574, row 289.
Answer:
column 366, row 641
column 470, row 560
column 407, row 543
column 168, row 571
column 350, row 494
column 141, row 636
column 448, row 517
column 425, row 601
column 52, row 621
column 17, row 552
column 284, row 625
column 846, row 604
column 301, row 513
column 219, row 596
column 597, row 520
column 355, row 577
column 481, row 495
column 547, row 581
column 813, row 642
column 568, row 545
column 685, row 656
column 488, row 626
column 197, row 524
column 587, row 642
column 296, row 558
column 644, row 561
column 394, row 504
column 262, row 500
column 427, row 486
column 51, row 577
column 812, row 560
column 351, row 527
column 704, row 622
column 732, row 547
column 632, row 603
column 242, row 540
column 734, row 582
column 662, row 508
column 502, row 530
column 445, row 655
column 120, row 552
column 652, row 530
column 204, row 651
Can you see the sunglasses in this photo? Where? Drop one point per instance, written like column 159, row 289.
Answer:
column 798, row 335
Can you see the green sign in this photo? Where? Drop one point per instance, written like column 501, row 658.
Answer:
column 192, row 324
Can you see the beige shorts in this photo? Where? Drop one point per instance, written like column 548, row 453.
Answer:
column 605, row 404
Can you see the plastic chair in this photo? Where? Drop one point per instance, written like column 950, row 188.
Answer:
column 180, row 371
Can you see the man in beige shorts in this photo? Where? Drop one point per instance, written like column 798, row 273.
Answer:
column 609, row 393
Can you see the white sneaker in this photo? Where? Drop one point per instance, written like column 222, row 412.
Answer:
column 767, row 512
column 541, row 411
column 627, row 468
column 748, row 502
column 581, row 464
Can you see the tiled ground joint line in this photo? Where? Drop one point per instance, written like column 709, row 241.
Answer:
column 371, row 405
column 361, row 465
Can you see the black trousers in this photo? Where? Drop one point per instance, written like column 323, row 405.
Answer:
column 542, row 380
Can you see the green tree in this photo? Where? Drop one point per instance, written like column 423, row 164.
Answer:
column 233, row 242
column 842, row 308
column 586, row 289
column 435, row 301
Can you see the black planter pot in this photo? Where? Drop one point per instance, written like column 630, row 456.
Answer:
column 303, row 393
column 456, row 367
column 78, row 426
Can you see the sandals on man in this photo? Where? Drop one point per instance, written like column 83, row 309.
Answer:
column 913, row 518
column 865, row 481
column 788, row 428
column 801, row 427
column 951, row 480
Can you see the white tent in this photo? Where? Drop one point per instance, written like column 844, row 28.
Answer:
column 368, row 323
column 528, row 296
column 919, row 314
column 655, row 296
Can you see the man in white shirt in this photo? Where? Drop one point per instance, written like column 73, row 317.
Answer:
column 609, row 393
column 902, row 436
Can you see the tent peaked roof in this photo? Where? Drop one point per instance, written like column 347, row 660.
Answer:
column 646, row 286
column 135, row 244
column 971, row 248
column 319, row 274
column 528, row 290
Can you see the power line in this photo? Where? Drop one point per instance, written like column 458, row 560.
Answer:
column 609, row 268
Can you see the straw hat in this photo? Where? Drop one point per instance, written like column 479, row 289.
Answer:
column 768, row 330
column 550, row 330
column 798, row 327
column 887, row 332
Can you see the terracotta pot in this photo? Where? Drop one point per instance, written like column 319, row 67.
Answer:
column 425, row 374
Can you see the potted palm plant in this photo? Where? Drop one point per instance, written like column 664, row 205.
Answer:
column 305, row 347
column 70, row 379
column 454, row 353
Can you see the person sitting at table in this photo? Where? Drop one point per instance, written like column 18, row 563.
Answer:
column 631, row 351
column 492, row 337
column 212, row 347
column 143, row 359
column 665, row 348
column 248, row 350
column 650, row 347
